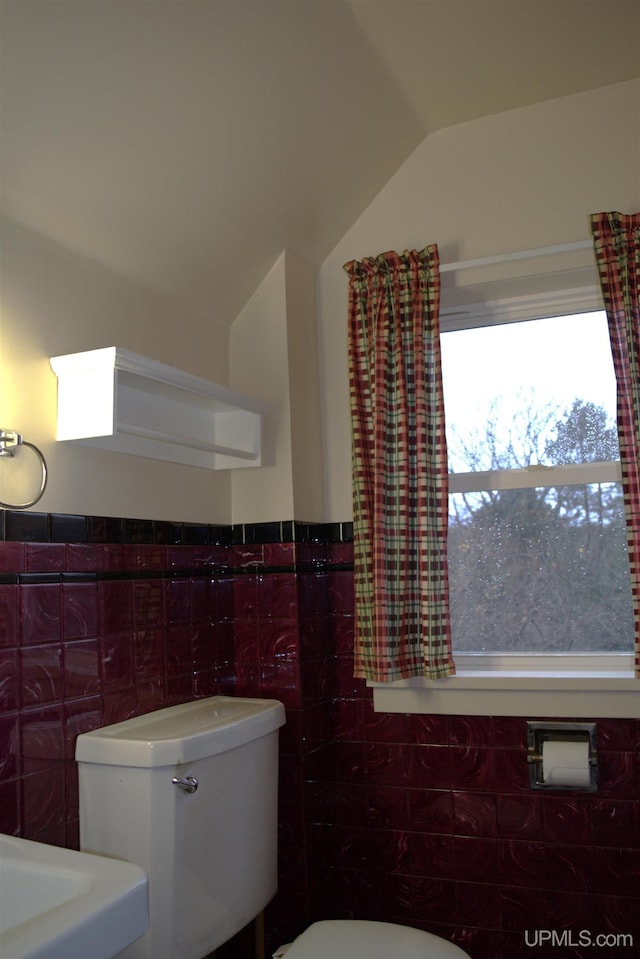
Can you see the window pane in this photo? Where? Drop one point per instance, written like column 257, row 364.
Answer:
column 541, row 391
column 542, row 570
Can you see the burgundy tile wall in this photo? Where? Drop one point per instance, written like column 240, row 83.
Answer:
column 427, row 820
column 430, row 820
column 89, row 635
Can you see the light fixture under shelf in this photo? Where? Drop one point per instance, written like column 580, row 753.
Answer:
column 117, row 400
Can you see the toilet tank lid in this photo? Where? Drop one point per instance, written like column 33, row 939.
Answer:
column 180, row 734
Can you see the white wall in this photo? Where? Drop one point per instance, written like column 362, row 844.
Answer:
column 304, row 376
column 274, row 357
column 522, row 179
column 519, row 180
column 54, row 302
column 259, row 365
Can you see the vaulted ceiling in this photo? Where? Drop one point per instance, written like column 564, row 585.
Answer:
column 186, row 143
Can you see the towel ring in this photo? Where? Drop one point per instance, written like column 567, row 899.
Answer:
column 9, row 442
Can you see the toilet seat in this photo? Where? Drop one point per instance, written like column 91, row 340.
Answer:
column 367, row 939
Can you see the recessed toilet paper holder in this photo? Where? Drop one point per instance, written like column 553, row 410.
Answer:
column 539, row 733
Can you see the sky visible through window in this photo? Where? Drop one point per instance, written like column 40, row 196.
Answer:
column 549, row 362
column 539, row 569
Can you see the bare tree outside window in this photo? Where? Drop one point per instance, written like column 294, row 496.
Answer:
column 541, row 568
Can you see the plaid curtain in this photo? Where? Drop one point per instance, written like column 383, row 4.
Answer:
column 400, row 480
column 617, row 248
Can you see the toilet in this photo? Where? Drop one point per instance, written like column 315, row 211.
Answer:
column 190, row 793
column 364, row 939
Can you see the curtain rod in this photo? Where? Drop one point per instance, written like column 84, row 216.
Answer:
column 521, row 255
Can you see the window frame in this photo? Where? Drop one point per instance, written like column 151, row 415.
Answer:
column 523, row 684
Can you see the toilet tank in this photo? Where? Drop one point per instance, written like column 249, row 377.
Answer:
column 207, row 842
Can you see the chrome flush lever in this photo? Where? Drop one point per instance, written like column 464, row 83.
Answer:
column 189, row 783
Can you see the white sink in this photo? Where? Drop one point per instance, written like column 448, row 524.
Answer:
column 61, row 904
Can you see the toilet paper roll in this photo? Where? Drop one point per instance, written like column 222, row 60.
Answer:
column 565, row 763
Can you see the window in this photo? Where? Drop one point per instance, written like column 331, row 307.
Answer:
column 537, row 538
column 540, row 591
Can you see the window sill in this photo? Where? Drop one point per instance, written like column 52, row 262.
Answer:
column 521, row 687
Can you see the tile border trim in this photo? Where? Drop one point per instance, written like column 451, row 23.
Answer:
column 18, row 526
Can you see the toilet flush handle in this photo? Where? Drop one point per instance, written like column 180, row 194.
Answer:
column 189, row 783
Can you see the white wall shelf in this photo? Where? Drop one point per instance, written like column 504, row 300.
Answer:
column 117, row 400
